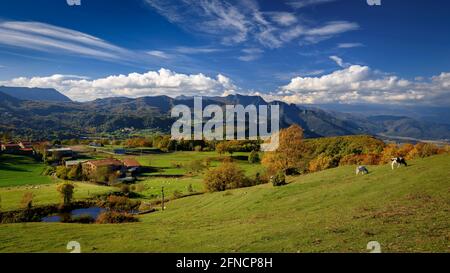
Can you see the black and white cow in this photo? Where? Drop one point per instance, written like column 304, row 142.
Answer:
column 361, row 169
column 399, row 161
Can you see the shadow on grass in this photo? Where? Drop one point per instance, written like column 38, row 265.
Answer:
column 11, row 163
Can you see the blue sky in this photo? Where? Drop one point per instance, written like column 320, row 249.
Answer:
column 301, row 51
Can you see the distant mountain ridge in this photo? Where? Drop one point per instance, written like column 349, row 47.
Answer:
column 435, row 114
column 75, row 119
column 35, row 94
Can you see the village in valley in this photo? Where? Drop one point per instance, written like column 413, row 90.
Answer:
column 124, row 169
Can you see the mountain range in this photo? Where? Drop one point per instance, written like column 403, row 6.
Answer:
column 36, row 94
column 56, row 116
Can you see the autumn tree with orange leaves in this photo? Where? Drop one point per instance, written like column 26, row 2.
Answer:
column 291, row 153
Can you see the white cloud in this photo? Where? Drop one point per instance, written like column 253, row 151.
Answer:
column 244, row 22
column 306, row 3
column 333, row 28
column 339, row 61
column 251, row 54
column 283, row 18
column 349, row 45
column 159, row 54
column 49, row 38
column 196, row 50
column 353, row 84
column 152, row 83
column 361, row 84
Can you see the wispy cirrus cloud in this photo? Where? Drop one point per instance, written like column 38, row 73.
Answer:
column 250, row 54
column 244, row 22
column 196, row 50
column 159, row 54
column 48, row 38
column 283, row 18
column 349, row 45
column 299, row 4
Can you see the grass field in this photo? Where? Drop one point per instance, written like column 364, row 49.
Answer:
column 406, row 210
column 46, row 194
column 21, row 170
column 165, row 162
column 165, row 176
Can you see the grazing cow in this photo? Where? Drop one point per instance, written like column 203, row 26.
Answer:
column 362, row 169
column 398, row 161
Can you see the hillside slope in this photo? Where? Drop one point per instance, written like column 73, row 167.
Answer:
column 36, row 94
column 406, row 210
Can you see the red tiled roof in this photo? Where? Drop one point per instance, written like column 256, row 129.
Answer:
column 105, row 162
column 131, row 162
column 11, row 145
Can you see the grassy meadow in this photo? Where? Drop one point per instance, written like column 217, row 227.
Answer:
column 406, row 210
column 21, row 170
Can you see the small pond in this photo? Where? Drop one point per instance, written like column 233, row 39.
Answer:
column 93, row 212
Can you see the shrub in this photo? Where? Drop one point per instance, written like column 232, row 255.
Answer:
column 260, row 179
column 226, row 176
column 113, row 217
column 121, row 203
column 198, row 148
column 62, row 172
column 49, row 171
column 125, row 189
column 369, row 159
column 66, row 192
column 320, row 163
column 405, row 149
column 279, row 179
column 75, row 173
column 390, row 151
column 422, row 150
column 254, row 157
column 195, row 166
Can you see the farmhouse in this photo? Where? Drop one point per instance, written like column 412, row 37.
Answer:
column 60, row 152
column 110, row 164
column 10, row 148
column 131, row 164
column 72, row 163
column 25, row 145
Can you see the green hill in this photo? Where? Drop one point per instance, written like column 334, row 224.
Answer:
column 406, row 210
column 18, row 170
